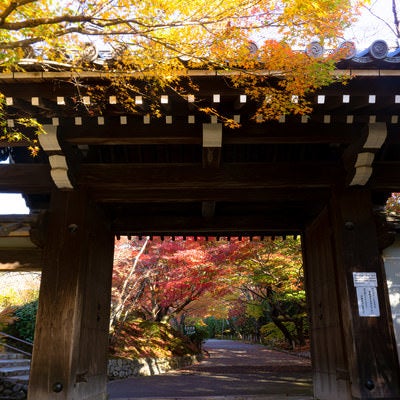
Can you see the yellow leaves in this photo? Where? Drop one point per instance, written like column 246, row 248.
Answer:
column 188, row 28
column 287, row 78
column 162, row 38
column 14, row 134
column 228, row 122
column 301, row 20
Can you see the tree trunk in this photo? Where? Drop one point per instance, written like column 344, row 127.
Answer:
column 280, row 325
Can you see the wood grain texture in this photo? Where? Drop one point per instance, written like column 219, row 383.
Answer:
column 72, row 323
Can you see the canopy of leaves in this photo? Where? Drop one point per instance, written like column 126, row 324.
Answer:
column 270, row 283
column 168, row 275
column 159, row 39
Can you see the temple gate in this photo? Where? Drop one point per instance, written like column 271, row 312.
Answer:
column 325, row 176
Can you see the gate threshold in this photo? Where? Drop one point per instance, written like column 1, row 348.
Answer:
column 242, row 397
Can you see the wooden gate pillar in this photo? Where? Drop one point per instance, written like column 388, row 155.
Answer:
column 71, row 337
column 354, row 353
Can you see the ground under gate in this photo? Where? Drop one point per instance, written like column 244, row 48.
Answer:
column 233, row 370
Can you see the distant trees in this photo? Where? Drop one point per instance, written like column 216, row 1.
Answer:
column 158, row 279
column 272, row 287
column 248, row 282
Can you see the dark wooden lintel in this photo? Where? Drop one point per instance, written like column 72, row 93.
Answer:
column 114, row 181
column 158, row 132
column 19, row 253
column 189, row 176
column 178, row 225
column 136, row 132
column 170, row 195
column 20, row 259
column 25, row 178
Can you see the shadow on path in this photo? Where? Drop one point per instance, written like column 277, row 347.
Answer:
column 234, row 370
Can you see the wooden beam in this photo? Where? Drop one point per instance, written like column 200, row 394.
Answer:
column 188, row 176
column 239, row 175
column 132, row 133
column 135, row 132
column 105, row 179
column 21, row 259
column 19, row 253
column 179, row 225
column 19, row 218
column 133, row 196
column 25, row 178
column 19, row 143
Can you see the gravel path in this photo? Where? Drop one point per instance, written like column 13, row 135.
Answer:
column 233, row 370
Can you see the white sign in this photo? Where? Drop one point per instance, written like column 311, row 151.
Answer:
column 368, row 304
column 365, row 279
column 367, row 295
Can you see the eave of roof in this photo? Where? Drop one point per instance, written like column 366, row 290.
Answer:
column 376, row 60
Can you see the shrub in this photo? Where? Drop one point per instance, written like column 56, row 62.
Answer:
column 198, row 336
column 24, row 326
column 137, row 338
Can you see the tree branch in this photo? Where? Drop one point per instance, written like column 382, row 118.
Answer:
column 12, row 7
column 394, row 31
column 396, row 19
column 35, row 22
column 37, row 39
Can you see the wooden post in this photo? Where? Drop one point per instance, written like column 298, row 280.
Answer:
column 355, row 349
column 71, row 337
column 330, row 371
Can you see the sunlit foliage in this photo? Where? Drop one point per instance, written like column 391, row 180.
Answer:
column 157, row 41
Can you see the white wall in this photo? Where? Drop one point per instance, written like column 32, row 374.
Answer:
column 391, row 257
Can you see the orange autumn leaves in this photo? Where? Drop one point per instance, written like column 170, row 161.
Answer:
column 165, row 38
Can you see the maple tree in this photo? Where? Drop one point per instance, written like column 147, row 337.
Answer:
column 272, row 286
column 160, row 278
column 129, row 279
column 158, row 40
column 164, row 31
column 182, row 271
column 264, row 284
column 167, row 280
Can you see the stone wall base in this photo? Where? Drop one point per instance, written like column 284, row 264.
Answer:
column 119, row 368
column 10, row 390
